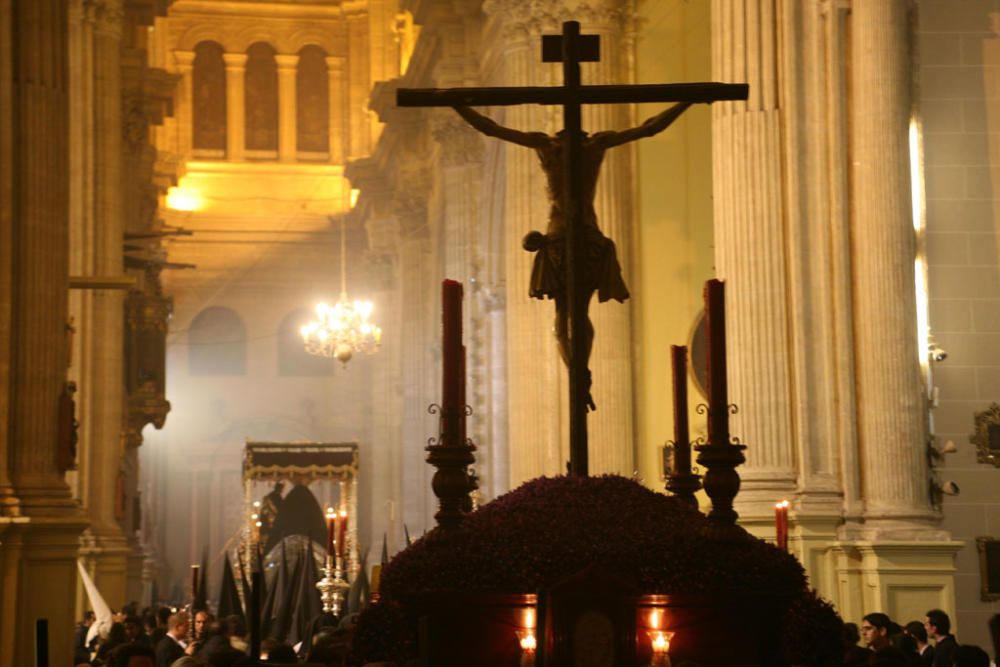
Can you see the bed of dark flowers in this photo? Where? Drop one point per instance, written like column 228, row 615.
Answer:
column 550, row 528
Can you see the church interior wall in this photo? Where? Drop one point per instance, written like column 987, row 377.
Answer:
column 959, row 50
column 674, row 217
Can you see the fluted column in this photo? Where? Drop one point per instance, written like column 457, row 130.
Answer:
column 338, row 98
column 35, row 85
column 184, row 62
column 891, row 408
column 102, row 378
column 286, row 106
column 750, row 255
column 236, row 67
column 537, row 433
column 538, row 429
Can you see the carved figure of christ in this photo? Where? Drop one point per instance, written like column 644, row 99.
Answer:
column 572, row 162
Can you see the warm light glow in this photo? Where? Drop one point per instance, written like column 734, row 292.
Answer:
column 179, row 199
column 919, row 229
column 342, row 330
column 782, row 505
column 355, row 193
column 330, row 512
column 655, row 619
column 528, row 641
column 660, row 641
column 529, row 618
column 343, row 514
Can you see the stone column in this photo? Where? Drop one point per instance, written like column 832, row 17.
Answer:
column 35, row 103
column 891, row 407
column 338, row 98
column 538, row 430
column 184, row 62
column 750, row 255
column 286, row 106
column 358, row 86
column 236, row 65
column 102, row 378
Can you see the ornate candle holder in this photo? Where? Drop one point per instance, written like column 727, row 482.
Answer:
column 332, row 587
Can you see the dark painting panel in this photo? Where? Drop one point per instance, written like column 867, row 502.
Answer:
column 209, row 98
column 312, row 88
column 261, row 90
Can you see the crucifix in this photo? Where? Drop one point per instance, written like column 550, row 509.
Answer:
column 574, row 259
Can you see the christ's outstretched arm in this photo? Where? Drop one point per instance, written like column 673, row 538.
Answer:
column 491, row 128
column 650, row 127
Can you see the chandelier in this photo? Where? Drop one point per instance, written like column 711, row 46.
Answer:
column 344, row 329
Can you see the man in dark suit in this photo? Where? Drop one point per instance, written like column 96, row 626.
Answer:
column 173, row 647
column 917, row 630
column 938, row 627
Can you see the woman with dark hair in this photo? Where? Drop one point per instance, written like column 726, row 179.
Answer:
column 994, row 625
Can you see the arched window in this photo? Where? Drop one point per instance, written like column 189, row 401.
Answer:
column 208, row 91
column 261, row 99
column 292, row 356
column 217, row 342
column 312, row 101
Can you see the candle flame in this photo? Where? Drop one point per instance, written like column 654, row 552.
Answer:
column 330, row 513
column 782, row 505
column 343, row 513
column 528, row 641
column 660, row 641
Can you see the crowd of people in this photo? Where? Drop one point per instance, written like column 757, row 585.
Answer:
column 882, row 642
column 168, row 637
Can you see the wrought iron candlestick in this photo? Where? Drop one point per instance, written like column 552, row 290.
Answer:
column 332, row 587
column 720, row 455
column 452, row 453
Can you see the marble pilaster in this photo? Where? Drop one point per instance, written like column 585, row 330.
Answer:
column 236, row 67
column 286, row 106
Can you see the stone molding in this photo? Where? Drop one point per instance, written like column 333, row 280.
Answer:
column 533, row 17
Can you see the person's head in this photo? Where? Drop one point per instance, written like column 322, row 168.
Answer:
column 279, row 486
column 88, row 619
column 149, row 621
column 968, row 655
column 201, row 620
column 937, row 624
column 875, row 630
column 904, row 643
column 851, row 634
column 177, row 624
column 916, row 630
column 162, row 614
column 133, row 628
column 282, row 653
column 133, row 655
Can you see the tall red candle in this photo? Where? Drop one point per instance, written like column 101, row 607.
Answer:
column 342, row 535
column 781, row 524
column 451, row 345
column 718, row 400
column 331, row 532
column 682, row 440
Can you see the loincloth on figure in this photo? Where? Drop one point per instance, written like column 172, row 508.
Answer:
column 602, row 273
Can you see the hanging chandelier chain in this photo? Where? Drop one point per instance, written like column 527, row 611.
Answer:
column 343, row 258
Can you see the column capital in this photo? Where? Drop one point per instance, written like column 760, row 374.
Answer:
column 235, row 61
column 184, row 60
column 547, row 16
column 106, row 16
column 286, row 61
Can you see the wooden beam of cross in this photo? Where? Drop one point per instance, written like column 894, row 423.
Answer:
column 571, row 48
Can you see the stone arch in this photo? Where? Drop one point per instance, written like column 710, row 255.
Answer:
column 257, row 33
column 312, row 101
column 204, row 32
column 208, row 97
column 261, row 98
column 329, row 40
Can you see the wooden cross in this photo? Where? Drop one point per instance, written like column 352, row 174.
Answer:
column 571, row 48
